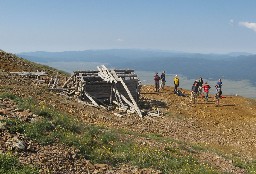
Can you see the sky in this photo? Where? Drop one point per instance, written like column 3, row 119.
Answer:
column 201, row 26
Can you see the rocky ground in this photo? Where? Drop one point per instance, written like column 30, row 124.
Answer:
column 54, row 158
column 229, row 128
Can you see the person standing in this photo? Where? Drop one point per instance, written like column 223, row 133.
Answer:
column 162, row 80
column 156, row 78
column 206, row 88
column 200, row 85
column 218, row 94
column 194, row 92
column 219, row 83
column 197, row 86
column 176, row 82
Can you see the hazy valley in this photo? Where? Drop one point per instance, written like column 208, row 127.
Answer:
column 236, row 69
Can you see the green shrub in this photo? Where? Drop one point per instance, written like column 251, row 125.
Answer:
column 44, row 113
column 40, row 131
column 108, row 137
column 166, row 161
column 14, row 125
column 29, row 103
column 10, row 165
column 251, row 167
column 67, row 123
column 8, row 95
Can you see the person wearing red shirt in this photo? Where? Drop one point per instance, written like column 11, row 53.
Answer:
column 206, row 88
column 156, row 78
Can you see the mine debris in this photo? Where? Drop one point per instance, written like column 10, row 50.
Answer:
column 106, row 87
column 39, row 76
column 30, row 74
column 53, row 82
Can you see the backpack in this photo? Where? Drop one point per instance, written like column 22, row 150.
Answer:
column 156, row 78
column 176, row 81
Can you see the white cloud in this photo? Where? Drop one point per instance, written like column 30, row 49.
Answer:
column 249, row 25
column 231, row 21
column 119, row 40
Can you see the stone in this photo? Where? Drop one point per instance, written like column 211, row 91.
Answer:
column 3, row 112
column 2, row 125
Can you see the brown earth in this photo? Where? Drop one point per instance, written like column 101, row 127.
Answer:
column 229, row 129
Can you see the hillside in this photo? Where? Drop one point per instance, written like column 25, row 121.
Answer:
column 192, row 138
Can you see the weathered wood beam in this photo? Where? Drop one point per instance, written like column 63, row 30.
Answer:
column 69, row 79
column 90, row 98
column 135, row 106
column 86, row 72
column 127, row 75
column 124, row 70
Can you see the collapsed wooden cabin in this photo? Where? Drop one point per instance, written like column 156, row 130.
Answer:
column 106, row 87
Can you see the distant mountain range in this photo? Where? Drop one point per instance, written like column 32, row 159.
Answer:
column 233, row 66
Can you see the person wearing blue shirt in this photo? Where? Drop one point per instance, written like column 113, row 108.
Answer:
column 162, row 80
column 219, row 83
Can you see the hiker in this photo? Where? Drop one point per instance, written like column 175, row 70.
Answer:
column 194, row 92
column 176, row 82
column 181, row 93
column 156, row 78
column 219, row 83
column 200, row 85
column 162, row 80
column 197, row 85
column 206, row 88
column 218, row 94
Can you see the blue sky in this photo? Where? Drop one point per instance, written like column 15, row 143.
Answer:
column 205, row 26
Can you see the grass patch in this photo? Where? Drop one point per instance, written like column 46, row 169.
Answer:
column 40, row 131
column 8, row 95
column 14, row 125
column 250, row 166
column 10, row 165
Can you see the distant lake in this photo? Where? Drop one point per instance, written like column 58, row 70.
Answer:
column 243, row 88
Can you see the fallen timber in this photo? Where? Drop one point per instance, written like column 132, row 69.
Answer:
column 106, row 87
column 39, row 76
column 30, row 74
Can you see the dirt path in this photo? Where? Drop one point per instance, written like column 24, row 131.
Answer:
column 230, row 127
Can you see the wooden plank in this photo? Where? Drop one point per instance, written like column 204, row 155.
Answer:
column 124, row 70
column 127, row 75
column 90, row 98
column 89, row 78
column 85, row 72
column 96, row 83
column 105, row 74
column 69, row 79
column 118, row 98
